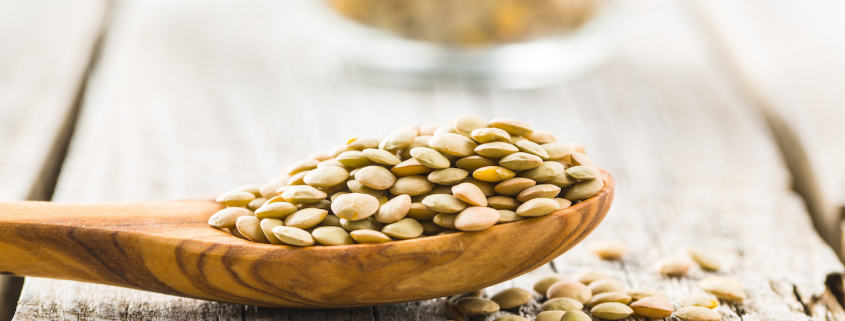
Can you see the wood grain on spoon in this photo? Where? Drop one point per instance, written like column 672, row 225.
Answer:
column 168, row 247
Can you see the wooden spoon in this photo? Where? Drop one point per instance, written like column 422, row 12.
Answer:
column 168, row 247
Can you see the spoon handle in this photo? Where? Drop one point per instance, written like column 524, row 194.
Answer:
column 108, row 243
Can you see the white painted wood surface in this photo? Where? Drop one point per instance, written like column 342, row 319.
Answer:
column 45, row 49
column 191, row 98
column 789, row 56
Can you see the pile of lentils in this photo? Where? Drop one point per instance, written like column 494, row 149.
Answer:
column 419, row 181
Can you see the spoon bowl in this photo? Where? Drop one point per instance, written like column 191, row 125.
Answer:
column 168, row 247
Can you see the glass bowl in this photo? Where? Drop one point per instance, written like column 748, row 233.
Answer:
column 518, row 44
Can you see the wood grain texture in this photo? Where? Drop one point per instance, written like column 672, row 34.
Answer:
column 168, row 247
column 190, row 100
column 789, row 56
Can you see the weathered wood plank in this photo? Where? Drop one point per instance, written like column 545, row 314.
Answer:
column 44, row 299
column 189, row 100
column 789, row 55
column 713, row 179
column 50, row 299
column 45, row 51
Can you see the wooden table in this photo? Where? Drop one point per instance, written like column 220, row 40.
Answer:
column 792, row 67
column 185, row 99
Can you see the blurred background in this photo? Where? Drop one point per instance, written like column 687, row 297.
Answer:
column 722, row 118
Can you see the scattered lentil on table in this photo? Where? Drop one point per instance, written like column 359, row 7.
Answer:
column 564, row 298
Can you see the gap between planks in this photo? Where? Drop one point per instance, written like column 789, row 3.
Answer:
column 827, row 218
column 43, row 187
column 790, row 67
